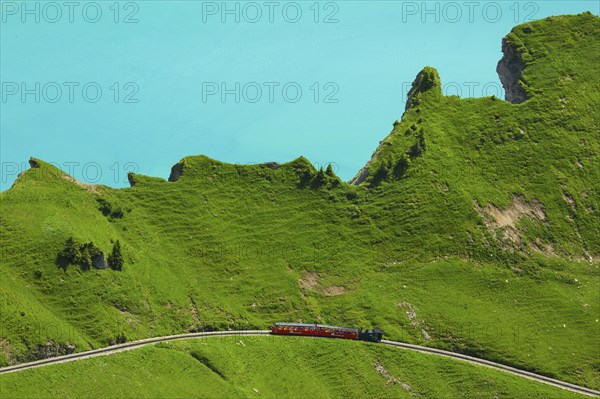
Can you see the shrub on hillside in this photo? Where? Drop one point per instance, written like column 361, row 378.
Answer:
column 89, row 252
column 401, row 166
column 351, row 194
column 320, row 179
column 108, row 209
column 329, row 172
column 382, row 172
column 419, row 147
column 72, row 251
column 115, row 259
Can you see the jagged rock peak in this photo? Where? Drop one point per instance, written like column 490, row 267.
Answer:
column 34, row 163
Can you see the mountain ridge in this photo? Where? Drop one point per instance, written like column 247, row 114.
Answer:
column 476, row 230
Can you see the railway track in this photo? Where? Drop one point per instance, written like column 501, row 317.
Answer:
column 497, row 366
column 423, row 349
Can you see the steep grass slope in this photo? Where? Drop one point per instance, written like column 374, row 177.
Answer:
column 475, row 227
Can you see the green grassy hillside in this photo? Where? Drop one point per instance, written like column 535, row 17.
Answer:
column 477, row 229
column 250, row 367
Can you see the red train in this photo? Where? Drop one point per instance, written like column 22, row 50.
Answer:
column 319, row 330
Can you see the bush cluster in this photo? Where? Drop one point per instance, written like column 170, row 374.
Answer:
column 318, row 179
column 108, row 209
column 84, row 254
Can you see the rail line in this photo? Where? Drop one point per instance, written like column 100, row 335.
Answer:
column 423, row 349
column 486, row 363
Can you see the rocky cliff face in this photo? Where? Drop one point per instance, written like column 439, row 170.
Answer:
column 176, row 172
column 509, row 70
column 360, row 177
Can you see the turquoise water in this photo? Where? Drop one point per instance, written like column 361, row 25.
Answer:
column 101, row 88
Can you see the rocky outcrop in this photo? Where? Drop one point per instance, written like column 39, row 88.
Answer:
column 271, row 165
column 510, row 68
column 99, row 261
column 360, row 177
column 131, row 179
column 34, row 163
column 176, row 172
column 50, row 349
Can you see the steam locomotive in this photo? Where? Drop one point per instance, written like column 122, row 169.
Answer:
column 319, row 330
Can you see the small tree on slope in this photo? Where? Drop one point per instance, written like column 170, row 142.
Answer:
column 115, row 259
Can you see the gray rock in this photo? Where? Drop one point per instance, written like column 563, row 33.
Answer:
column 272, row 165
column 510, row 68
column 360, row 177
column 176, row 172
column 99, row 261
